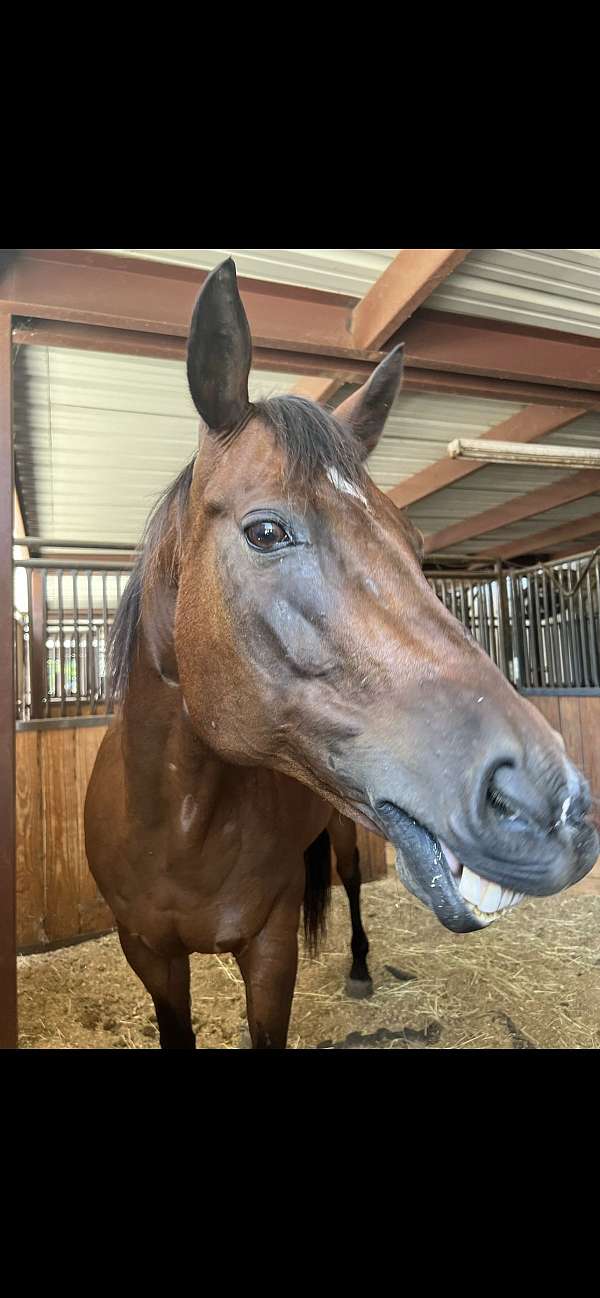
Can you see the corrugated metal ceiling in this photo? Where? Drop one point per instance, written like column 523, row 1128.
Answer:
column 550, row 288
column 420, row 427
column 99, row 436
column 351, row 271
column 492, row 485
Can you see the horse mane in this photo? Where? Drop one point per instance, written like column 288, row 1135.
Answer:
column 312, row 441
column 164, row 523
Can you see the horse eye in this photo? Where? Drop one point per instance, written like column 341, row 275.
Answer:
column 267, row 535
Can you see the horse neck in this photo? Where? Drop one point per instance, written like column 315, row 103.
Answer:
column 158, row 740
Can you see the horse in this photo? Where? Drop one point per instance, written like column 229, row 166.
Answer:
column 278, row 654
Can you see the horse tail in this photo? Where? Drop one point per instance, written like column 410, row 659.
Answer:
column 317, row 891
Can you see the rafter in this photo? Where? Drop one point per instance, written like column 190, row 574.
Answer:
column 319, row 388
column 440, row 340
column 124, row 293
column 537, row 542
column 526, row 426
column 404, row 285
column 515, row 510
column 570, row 551
column 409, row 279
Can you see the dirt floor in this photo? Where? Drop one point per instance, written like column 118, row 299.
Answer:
column 532, row 981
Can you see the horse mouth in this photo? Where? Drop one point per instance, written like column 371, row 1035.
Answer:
column 484, row 899
column 462, row 900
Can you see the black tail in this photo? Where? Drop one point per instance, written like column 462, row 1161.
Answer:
column 317, row 891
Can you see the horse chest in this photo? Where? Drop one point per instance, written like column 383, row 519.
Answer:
column 209, row 900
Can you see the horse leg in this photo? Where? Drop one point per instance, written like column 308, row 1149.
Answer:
column 268, row 965
column 168, row 982
column 343, row 837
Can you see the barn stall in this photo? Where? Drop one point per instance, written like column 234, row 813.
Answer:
column 93, row 345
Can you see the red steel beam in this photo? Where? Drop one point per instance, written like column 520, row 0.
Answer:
column 526, row 426
column 515, row 510
column 440, row 340
column 8, row 939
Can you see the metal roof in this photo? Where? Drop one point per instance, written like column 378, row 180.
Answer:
column 350, row 271
column 98, row 436
column 493, row 484
column 549, row 288
column 421, row 425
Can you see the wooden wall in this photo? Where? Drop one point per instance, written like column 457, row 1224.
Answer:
column 578, row 721
column 57, row 898
column 373, row 863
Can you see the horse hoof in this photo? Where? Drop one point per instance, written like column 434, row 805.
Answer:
column 359, row 988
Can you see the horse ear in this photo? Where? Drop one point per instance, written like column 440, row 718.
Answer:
column 368, row 408
column 219, row 353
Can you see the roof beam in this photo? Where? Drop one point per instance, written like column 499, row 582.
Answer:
column 515, row 510
column 568, row 552
column 39, row 332
column 124, row 293
column 526, row 426
column 538, row 542
column 408, row 280
column 440, row 340
column 319, row 388
column 413, row 274
column 56, row 333
column 446, row 383
column 8, row 959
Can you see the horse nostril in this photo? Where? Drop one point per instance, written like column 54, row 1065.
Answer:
column 500, row 795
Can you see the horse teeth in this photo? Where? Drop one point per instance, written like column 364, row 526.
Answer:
column 485, row 897
column 491, row 898
column 470, row 886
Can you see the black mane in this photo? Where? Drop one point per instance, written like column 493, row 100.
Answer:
column 312, row 441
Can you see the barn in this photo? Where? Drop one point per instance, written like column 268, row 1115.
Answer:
column 491, row 449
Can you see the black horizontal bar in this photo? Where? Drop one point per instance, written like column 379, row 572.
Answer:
column 67, row 565
column 66, row 723
column 576, row 692
column 45, row 542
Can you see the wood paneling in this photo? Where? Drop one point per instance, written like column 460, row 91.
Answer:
column 570, row 728
column 372, row 855
column 549, row 708
column 57, row 898
column 94, row 914
column 8, row 964
column 31, row 904
column 578, row 721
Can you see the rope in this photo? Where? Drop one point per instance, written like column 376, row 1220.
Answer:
column 562, row 588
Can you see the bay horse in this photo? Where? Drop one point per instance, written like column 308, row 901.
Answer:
column 278, row 653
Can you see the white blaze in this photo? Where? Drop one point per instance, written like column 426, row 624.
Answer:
column 342, row 484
